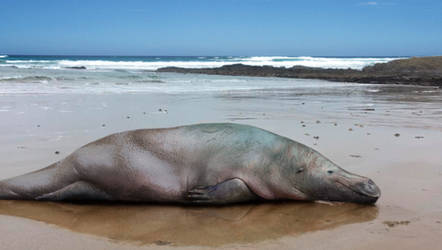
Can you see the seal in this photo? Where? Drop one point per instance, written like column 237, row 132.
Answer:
column 217, row 163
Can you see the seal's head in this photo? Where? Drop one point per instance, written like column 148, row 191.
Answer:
column 320, row 179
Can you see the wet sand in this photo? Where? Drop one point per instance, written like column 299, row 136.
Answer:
column 353, row 126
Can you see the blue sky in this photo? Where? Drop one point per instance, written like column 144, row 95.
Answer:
column 227, row 27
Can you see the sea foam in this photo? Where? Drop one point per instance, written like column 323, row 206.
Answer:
column 153, row 63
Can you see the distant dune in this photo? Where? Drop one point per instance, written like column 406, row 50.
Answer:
column 426, row 71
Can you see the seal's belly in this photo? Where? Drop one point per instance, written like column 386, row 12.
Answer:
column 131, row 172
column 170, row 179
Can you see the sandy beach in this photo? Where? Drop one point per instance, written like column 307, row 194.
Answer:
column 393, row 134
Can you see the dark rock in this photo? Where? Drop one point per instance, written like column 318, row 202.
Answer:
column 426, row 71
column 77, row 67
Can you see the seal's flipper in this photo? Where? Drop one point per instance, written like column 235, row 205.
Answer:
column 37, row 183
column 229, row 191
column 8, row 194
column 78, row 191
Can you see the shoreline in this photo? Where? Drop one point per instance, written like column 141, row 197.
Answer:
column 423, row 71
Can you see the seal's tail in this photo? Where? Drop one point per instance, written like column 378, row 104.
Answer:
column 32, row 185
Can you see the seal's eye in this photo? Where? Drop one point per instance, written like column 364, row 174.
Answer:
column 330, row 171
column 300, row 170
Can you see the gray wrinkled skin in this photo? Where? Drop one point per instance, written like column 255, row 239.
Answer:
column 197, row 164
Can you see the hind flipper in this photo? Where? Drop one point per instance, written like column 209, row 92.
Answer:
column 8, row 194
column 78, row 191
column 37, row 183
column 229, row 191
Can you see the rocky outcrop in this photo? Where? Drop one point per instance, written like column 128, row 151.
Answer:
column 425, row 71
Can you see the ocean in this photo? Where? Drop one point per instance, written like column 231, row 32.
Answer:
column 21, row 74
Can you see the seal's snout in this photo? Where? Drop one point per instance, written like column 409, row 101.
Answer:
column 372, row 189
column 368, row 189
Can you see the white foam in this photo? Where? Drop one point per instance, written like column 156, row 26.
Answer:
column 28, row 61
column 173, row 83
column 101, row 64
column 266, row 58
column 373, row 90
column 3, row 56
column 276, row 61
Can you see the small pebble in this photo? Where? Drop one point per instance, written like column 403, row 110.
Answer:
column 335, row 124
column 396, row 223
column 318, row 121
column 350, row 129
column 57, row 152
column 419, row 137
column 316, row 137
column 127, row 117
column 38, row 125
column 162, row 243
column 103, row 125
column 303, row 125
column 368, row 133
column 307, row 134
column 397, row 134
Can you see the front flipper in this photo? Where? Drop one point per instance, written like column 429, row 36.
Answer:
column 229, row 191
column 78, row 191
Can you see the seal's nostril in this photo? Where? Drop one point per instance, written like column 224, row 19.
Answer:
column 371, row 188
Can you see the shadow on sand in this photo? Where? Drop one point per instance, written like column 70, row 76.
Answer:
column 180, row 225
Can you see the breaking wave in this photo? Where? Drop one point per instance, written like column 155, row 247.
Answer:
column 26, row 79
column 153, row 63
